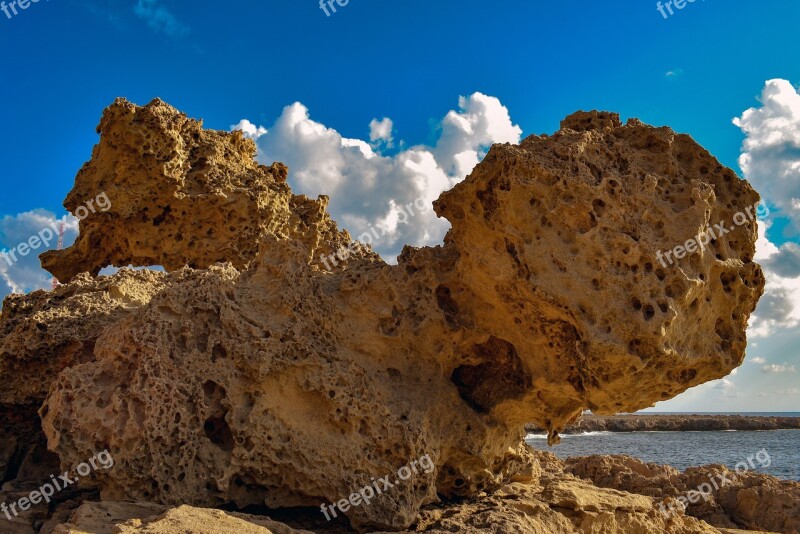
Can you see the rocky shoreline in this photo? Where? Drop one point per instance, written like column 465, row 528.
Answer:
column 675, row 423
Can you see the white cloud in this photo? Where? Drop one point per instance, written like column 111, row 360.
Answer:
column 758, row 360
column 380, row 131
column 21, row 274
column 483, row 120
column 771, row 152
column 368, row 189
column 774, row 368
column 770, row 161
column 791, row 392
column 249, row 129
column 722, row 386
column 159, row 18
column 779, row 308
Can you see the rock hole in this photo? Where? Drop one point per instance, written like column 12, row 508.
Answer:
column 501, row 376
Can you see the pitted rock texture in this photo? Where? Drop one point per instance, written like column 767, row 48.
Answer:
column 267, row 380
column 180, row 196
column 47, row 331
column 748, row 500
column 558, row 240
column 547, row 502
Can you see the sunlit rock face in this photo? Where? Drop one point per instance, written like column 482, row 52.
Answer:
column 255, row 376
column 175, row 194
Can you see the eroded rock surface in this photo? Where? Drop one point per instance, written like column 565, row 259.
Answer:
column 126, row 518
column 254, row 377
column 179, row 195
column 748, row 500
column 47, row 331
column 557, row 244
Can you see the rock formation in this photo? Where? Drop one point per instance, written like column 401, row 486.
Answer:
column 735, row 500
column 249, row 375
column 46, row 332
column 180, row 196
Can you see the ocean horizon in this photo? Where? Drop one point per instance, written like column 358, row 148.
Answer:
column 684, row 449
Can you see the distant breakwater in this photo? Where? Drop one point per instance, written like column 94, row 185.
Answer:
column 675, row 423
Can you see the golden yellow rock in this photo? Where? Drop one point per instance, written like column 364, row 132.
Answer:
column 255, row 377
column 126, row 518
column 722, row 497
column 178, row 195
column 47, row 331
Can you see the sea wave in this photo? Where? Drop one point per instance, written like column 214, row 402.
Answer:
column 593, row 433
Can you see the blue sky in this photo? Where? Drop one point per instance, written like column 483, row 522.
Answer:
column 63, row 61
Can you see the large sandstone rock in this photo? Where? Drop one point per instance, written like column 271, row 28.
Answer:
column 180, row 195
column 564, row 506
column 265, row 379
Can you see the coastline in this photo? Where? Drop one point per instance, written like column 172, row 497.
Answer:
column 675, row 423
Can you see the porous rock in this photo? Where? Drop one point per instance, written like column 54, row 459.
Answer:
column 744, row 499
column 268, row 380
column 180, row 195
column 45, row 332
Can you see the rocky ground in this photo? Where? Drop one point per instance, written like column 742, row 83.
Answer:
column 248, row 382
column 580, row 495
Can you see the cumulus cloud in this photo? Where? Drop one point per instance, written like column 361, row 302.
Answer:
column 770, row 161
column 483, row 120
column 758, row 360
column 380, row 131
column 774, row 368
column 784, row 261
column 369, row 190
column 160, row 19
column 779, row 308
column 23, row 273
column 249, row 129
column 771, row 152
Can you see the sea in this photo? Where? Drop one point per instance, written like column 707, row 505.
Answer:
column 687, row 449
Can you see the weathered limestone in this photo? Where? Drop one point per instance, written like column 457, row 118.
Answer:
column 47, row 331
column 183, row 196
column 732, row 500
column 254, row 377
